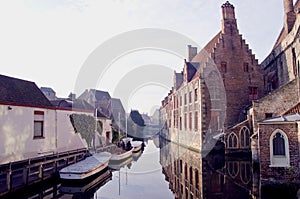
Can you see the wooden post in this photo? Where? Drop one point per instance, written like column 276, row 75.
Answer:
column 41, row 171
column 9, row 178
column 25, row 175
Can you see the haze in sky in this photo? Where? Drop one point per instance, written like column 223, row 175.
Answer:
column 49, row 41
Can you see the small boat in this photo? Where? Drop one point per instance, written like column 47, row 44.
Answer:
column 136, row 155
column 117, row 165
column 86, row 187
column 137, row 146
column 120, row 154
column 86, row 168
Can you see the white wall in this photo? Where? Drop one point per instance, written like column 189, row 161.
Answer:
column 16, row 133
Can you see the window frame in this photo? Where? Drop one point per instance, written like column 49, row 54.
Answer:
column 39, row 118
column 228, row 141
column 279, row 160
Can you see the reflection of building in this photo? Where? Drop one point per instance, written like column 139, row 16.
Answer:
column 196, row 109
column 191, row 176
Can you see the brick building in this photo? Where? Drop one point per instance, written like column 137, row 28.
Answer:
column 275, row 117
column 205, row 96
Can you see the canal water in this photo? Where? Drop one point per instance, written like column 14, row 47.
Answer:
column 165, row 170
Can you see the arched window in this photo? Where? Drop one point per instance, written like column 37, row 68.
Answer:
column 279, row 149
column 245, row 172
column 232, row 141
column 233, row 168
column 245, row 137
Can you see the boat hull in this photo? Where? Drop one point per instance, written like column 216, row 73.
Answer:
column 85, row 168
column 121, row 156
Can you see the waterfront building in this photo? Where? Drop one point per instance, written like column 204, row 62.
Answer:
column 274, row 118
column 214, row 89
column 31, row 126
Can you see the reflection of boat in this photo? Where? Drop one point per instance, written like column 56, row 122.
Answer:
column 120, row 154
column 137, row 155
column 117, row 165
column 137, row 146
column 88, row 186
column 87, row 167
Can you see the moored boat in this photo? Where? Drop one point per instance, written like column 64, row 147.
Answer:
column 137, row 146
column 86, row 168
column 120, row 154
column 117, row 165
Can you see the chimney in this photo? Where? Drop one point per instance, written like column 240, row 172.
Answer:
column 289, row 15
column 192, row 52
column 228, row 21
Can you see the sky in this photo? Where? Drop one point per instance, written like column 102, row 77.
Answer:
column 52, row 42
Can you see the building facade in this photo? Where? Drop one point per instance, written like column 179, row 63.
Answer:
column 205, row 97
column 31, row 126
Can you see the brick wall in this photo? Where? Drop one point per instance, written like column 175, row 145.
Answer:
column 282, row 174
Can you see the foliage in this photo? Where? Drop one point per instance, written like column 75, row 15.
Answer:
column 115, row 135
column 85, row 125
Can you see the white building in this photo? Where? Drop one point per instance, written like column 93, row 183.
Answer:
column 30, row 126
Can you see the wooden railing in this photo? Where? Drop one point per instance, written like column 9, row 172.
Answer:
column 20, row 174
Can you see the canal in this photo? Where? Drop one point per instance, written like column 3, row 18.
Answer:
column 165, row 170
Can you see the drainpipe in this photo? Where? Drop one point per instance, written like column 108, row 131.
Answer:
column 56, row 129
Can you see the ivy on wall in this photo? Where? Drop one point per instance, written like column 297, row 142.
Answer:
column 85, row 125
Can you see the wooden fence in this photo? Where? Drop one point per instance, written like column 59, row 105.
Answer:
column 16, row 175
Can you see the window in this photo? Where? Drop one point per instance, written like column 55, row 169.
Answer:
column 180, row 100
column 185, row 171
column 278, row 145
column 185, row 100
column 185, row 121
column 232, row 141
column 190, row 97
column 268, row 115
column 196, row 121
column 245, row 173
column 180, row 166
column 224, row 67
column 38, row 125
column 190, row 121
column 279, row 149
column 196, row 95
column 233, row 168
column 191, row 175
column 246, row 67
column 253, row 93
column 245, row 137
column 180, row 123
column 197, row 178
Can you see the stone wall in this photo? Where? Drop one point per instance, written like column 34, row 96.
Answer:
column 277, row 102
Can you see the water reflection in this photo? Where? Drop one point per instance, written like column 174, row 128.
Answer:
column 191, row 176
column 166, row 170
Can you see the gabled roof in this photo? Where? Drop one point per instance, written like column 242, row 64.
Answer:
column 285, row 118
column 208, row 49
column 21, row 92
column 47, row 89
column 98, row 94
column 192, row 68
column 76, row 103
column 117, row 104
